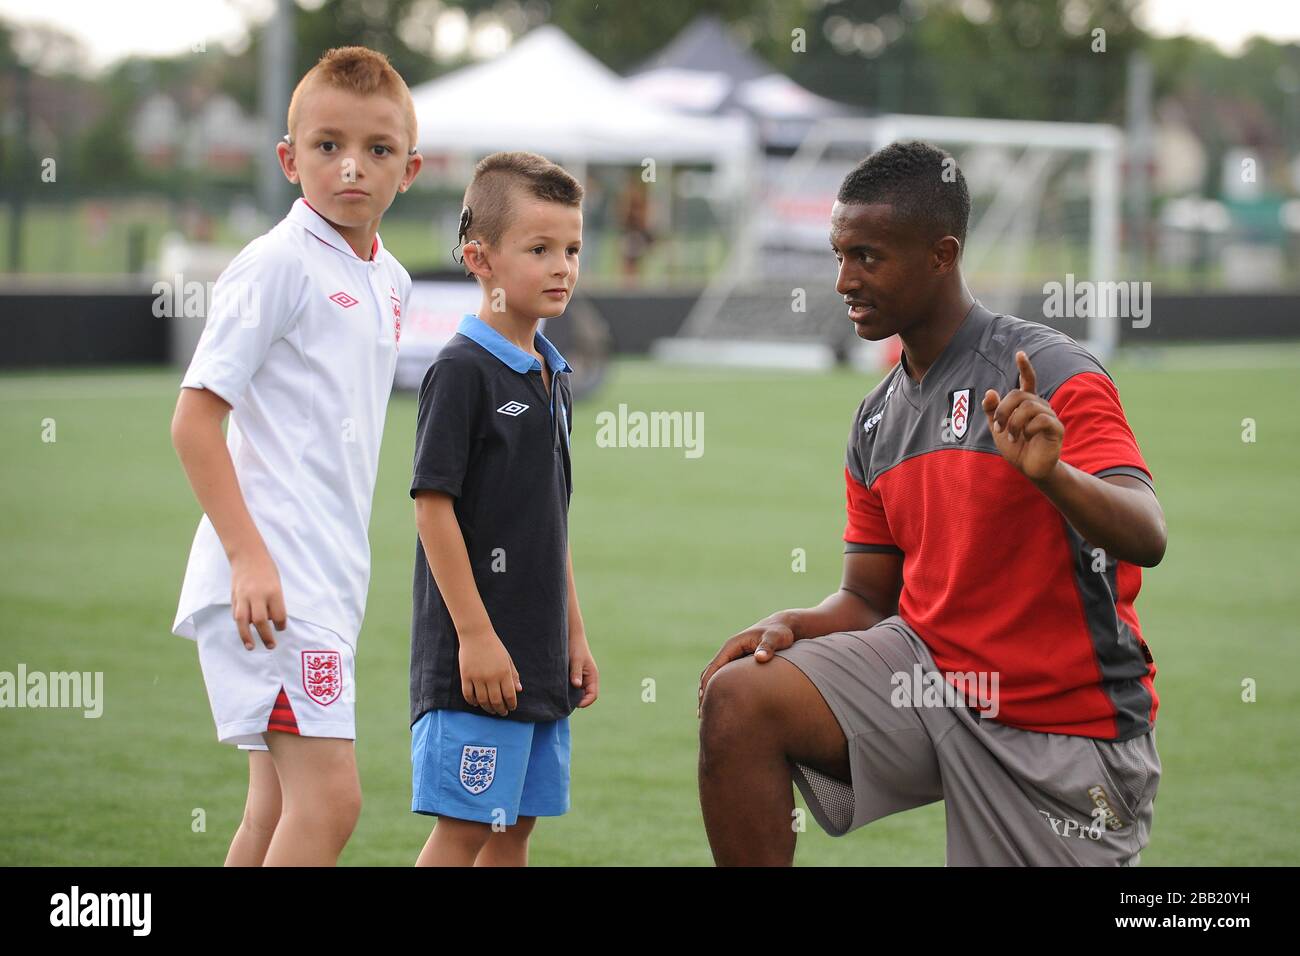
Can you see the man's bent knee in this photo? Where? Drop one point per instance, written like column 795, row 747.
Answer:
column 749, row 688
column 779, row 702
column 740, row 703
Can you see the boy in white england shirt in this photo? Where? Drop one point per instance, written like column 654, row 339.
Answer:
column 299, row 348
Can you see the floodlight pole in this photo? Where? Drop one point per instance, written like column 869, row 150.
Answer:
column 18, row 195
column 275, row 67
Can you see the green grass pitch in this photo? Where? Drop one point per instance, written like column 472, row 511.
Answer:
column 673, row 556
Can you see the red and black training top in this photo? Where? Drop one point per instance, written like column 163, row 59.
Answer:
column 994, row 578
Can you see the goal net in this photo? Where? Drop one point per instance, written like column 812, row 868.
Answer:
column 1045, row 204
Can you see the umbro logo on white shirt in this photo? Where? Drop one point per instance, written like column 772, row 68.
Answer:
column 513, row 408
column 343, row 299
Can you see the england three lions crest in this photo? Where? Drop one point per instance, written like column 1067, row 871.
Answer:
column 322, row 676
column 478, row 765
column 959, row 415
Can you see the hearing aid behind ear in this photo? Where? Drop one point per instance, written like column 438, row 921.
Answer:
column 466, row 217
column 472, row 242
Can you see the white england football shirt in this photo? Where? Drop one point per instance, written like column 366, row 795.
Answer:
column 301, row 340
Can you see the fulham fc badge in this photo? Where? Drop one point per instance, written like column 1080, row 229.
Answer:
column 478, row 765
column 960, row 414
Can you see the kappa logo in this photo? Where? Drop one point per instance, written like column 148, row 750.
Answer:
column 343, row 299
column 322, row 676
column 960, row 414
column 874, row 420
column 1099, row 800
column 513, row 408
column 478, row 766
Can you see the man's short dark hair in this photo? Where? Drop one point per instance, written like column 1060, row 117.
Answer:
column 922, row 182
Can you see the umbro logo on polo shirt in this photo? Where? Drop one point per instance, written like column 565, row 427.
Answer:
column 513, row 408
column 343, row 299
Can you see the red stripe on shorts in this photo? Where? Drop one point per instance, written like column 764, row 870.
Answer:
column 282, row 718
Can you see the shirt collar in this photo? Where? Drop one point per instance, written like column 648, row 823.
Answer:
column 304, row 215
column 472, row 327
column 966, row 337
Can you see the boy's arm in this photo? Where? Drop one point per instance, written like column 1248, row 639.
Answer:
column 256, row 301
column 582, row 666
column 1117, row 513
column 255, row 593
column 487, row 674
column 577, row 630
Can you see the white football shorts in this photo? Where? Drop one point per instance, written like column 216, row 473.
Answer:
column 306, row 685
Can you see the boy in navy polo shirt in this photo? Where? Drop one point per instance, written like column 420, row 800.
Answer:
column 499, row 655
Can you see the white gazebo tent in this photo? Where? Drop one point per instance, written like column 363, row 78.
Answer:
column 705, row 71
column 548, row 95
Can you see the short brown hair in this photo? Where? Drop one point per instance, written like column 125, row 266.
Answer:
column 488, row 199
column 360, row 70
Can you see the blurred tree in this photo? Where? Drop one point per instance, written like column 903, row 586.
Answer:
column 995, row 58
column 623, row 33
column 377, row 24
column 1026, row 59
column 1264, row 72
column 7, row 55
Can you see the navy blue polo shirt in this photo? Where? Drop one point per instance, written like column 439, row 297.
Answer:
column 489, row 435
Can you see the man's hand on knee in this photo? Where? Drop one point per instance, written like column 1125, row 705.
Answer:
column 763, row 640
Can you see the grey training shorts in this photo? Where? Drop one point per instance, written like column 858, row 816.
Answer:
column 1011, row 797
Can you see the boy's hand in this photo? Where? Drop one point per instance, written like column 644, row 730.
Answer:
column 488, row 678
column 1025, row 429
column 256, row 597
column 582, row 670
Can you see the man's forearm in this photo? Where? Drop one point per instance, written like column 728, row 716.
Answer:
column 842, row 611
column 1125, row 522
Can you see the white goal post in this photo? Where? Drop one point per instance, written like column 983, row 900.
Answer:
column 1020, row 171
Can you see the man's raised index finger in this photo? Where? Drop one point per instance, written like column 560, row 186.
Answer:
column 1028, row 380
